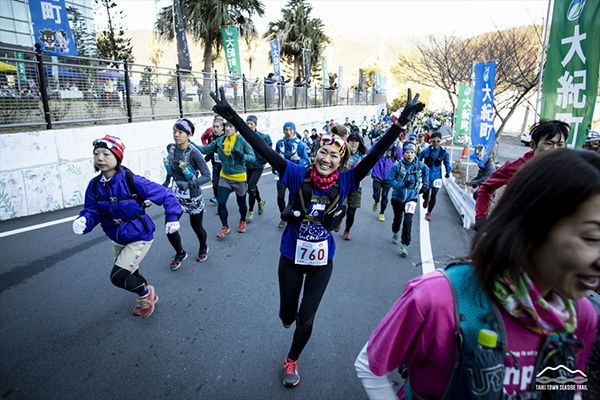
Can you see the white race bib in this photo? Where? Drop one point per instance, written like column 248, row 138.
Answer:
column 311, row 253
column 410, row 207
column 180, row 194
column 437, row 183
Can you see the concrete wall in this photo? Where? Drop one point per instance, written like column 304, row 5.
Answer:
column 49, row 170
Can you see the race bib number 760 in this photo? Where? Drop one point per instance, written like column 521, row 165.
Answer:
column 311, row 253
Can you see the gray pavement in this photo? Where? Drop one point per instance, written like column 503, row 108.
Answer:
column 67, row 333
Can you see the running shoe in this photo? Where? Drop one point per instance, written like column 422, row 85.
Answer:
column 291, row 377
column 425, row 203
column 261, row 207
column 375, row 207
column 177, row 260
column 403, row 250
column 137, row 310
column 146, row 302
column 250, row 216
column 428, row 216
column 224, row 231
column 346, row 235
column 202, row 255
column 396, row 238
column 381, row 217
column 242, row 227
column 213, row 200
column 281, row 224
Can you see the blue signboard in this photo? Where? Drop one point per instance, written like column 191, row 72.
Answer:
column 275, row 58
column 51, row 27
column 483, row 133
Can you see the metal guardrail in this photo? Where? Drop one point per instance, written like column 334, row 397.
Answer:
column 463, row 202
column 37, row 89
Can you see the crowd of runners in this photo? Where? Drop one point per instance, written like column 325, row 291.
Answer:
column 320, row 179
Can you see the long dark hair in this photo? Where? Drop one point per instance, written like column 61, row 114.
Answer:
column 545, row 190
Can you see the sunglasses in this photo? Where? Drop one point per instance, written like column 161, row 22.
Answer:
column 437, row 141
column 103, row 143
column 334, row 140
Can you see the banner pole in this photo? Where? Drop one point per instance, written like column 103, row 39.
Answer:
column 541, row 76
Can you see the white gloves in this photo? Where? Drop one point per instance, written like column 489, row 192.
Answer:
column 79, row 225
column 171, row 227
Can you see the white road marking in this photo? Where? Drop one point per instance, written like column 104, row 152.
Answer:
column 425, row 240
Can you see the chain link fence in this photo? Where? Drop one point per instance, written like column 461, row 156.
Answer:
column 39, row 90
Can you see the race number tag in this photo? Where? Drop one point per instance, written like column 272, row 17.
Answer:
column 410, row 207
column 437, row 183
column 181, row 194
column 311, row 253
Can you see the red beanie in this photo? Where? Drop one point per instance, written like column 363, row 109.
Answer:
column 112, row 143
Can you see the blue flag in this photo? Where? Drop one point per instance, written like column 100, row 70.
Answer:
column 51, row 27
column 275, row 58
column 483, row 133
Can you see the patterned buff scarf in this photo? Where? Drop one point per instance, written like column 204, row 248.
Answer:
column 324, row 183
column 521, row 299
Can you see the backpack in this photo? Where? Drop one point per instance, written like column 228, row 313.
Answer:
column 133, row 195
column 297, row 210
column 474, row 311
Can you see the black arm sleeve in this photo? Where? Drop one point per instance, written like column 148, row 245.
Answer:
column 367, row 163
column 259, row 145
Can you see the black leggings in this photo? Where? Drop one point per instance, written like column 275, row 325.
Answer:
column 224, row 193
column 281, row 196
column 399, row 213
column 133, row 282
column 291, row 279
column 216, row 174
column 253, row 194
column 381, row 189
column 196, row 222
column 431, row 199
column 350, row 214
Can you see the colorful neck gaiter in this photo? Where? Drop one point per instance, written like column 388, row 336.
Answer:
column 324, row 183
column 517, row 294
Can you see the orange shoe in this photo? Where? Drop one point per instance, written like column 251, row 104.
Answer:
column 291, row 377
column 242, row 227
column 224, row 231
column 428, row 216
column 146, row 302
column 137, row 310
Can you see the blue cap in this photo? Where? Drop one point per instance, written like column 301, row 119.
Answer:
column 412, row 137
column 289, row 125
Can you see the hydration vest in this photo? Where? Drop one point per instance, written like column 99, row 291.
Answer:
column 412, row 171
column 430, row 161
column 133, row 195
column 474, row 311
column 297, row 211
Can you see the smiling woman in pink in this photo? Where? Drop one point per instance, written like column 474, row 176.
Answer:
column 532, row 264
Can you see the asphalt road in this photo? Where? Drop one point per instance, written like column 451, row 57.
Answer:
column 67, row 333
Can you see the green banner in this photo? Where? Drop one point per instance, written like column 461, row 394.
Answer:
column 325, row 75
column 464, row 111
column 21, row 72
column 232, row 51
column 571, row 74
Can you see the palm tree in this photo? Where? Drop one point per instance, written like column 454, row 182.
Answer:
column 203, row 20
column 296, row 30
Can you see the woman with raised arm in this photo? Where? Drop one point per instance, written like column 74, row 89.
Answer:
column 317, row 193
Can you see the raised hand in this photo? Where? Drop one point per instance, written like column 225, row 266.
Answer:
column 410, row 109
column 221, row 106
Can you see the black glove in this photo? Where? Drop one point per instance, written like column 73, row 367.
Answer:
column 208, row 157
column 237, row 155
column 222, row 107
column 194, row 183
column 447, row 174
column 410, row 109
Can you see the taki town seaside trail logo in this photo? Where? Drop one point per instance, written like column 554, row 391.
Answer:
column 574, row 380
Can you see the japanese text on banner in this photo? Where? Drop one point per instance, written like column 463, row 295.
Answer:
column 483, row 133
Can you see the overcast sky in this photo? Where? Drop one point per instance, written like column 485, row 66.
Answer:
column 389, row 17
